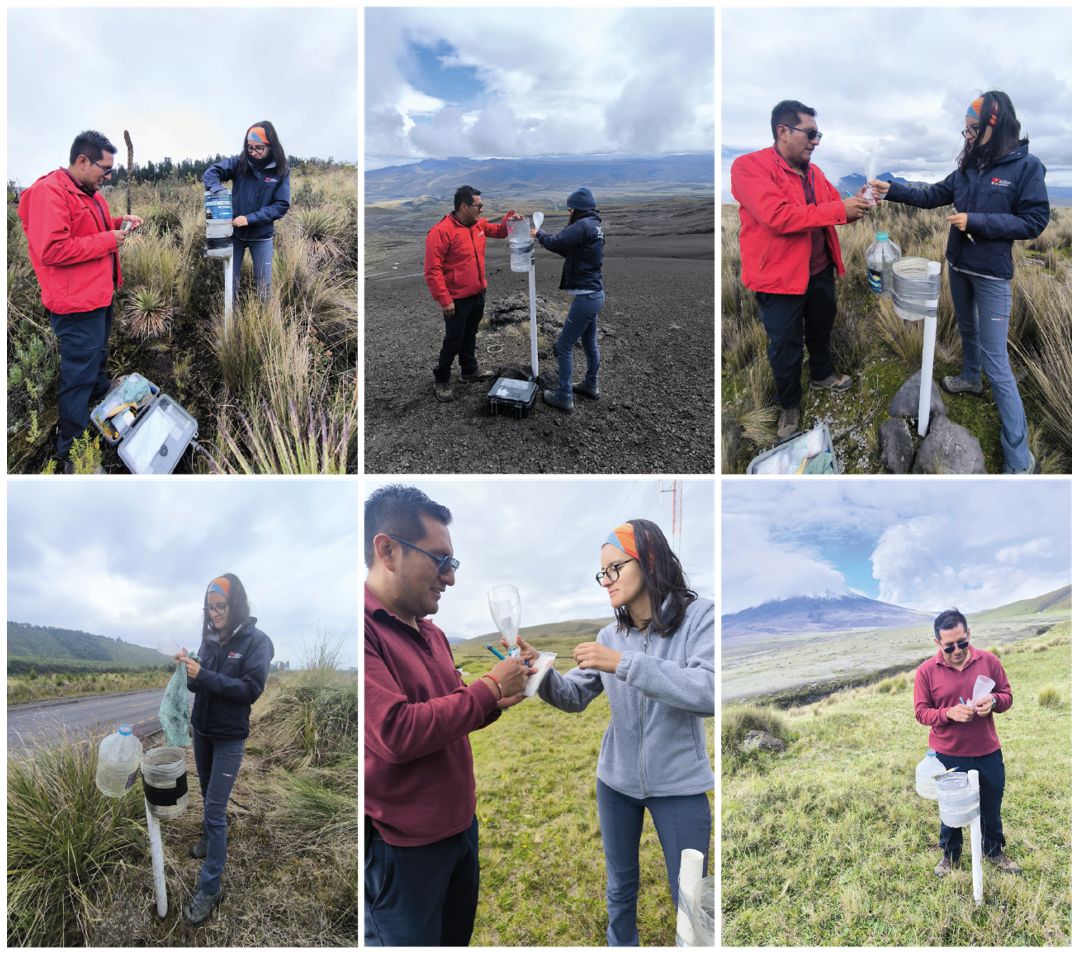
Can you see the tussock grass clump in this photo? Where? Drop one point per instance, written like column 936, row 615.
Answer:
column 66, row 844
column 148, row 313
column 1049, row 698
column 737, row 720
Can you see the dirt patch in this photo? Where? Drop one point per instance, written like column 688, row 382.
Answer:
column 657, row 372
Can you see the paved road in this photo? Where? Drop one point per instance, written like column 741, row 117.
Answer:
column 40, row 723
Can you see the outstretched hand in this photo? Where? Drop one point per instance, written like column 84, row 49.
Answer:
column 594, row 655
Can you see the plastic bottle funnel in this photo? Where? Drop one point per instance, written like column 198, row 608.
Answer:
column 505, row 604
column 520, row 241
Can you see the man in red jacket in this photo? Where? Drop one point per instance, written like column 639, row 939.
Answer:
column 421, row 836
column 74, row 243
column 961, row 729
column 790, row 253
column 455, row 271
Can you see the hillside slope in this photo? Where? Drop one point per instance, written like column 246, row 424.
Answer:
column 47, row 645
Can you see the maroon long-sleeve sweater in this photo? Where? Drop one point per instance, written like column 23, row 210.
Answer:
column 938, row 686
column 418, row 781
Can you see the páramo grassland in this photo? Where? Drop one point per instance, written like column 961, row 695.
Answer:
column 79, row 870
column 880, row 351
column 828, row 844
column 273, row 391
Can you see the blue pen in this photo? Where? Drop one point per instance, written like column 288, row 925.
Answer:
column 494, row 651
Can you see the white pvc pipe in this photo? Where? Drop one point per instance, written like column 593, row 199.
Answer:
column 925, row 386
column 690, row 873
column 157, row 858
column 228, row 288
column 976, row 841
column 532, row 315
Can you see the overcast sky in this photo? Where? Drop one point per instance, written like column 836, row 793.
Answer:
column 186, row 82
column 545, row 536
column 896, row 82
column 925, row 544
column 488, row 82
column 132, row 558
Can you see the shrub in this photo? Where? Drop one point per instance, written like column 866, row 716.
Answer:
column 1049, row 698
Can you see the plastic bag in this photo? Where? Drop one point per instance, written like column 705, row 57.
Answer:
column 173, row 713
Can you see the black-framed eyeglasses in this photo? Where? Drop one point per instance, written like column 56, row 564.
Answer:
column 106, row 169
column 257, row 147
column 952, row 646
column 612, row 571
column 446, row 564
column 969, row 132
column 813, row 135
column 218, row 609
column 478, row 206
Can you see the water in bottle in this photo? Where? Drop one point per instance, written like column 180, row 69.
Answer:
column 118, row 758
column 880, row 256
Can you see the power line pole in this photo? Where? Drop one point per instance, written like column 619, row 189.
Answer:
column 675, row 489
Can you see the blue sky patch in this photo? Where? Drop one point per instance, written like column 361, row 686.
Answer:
column 428, row 73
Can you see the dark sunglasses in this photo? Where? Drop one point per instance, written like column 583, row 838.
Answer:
column 446, row 564
column 952, row 646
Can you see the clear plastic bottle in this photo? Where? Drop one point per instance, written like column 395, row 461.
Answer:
column 928, row 768
column 118, row 758
column 880, row 256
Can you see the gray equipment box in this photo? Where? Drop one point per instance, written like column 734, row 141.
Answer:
column 509, row 396
column 161, row 433
column 787, row 458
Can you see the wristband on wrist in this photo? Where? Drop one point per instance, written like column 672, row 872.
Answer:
column 497, row 685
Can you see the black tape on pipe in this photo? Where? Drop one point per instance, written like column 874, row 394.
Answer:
column 165, row 797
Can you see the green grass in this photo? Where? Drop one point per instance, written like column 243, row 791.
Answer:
column 829, row 845
column 28, row 688
column 542, row 874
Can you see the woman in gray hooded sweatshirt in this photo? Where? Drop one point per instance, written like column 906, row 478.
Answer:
column 656, row 662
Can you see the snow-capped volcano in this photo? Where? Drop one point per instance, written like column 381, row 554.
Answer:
column 829, row 611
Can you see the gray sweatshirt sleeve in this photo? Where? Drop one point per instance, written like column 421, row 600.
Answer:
column 691, row 687
column 572, row 691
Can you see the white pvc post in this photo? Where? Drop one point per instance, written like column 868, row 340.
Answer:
column 532, row 315
column 690, row 873
column 157, row 858
column 976, row 841
column 925, row 385
column 228, row 288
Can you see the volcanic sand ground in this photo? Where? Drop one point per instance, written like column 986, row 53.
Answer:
column 657, row 371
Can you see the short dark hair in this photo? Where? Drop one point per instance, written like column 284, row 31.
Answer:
column 396, row 510
column 464, row 196
column 786, row 114
column 664, row 580
column 949, row 619
column 92, row 145
column 239, row 608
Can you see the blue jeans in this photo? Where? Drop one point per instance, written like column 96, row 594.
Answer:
column 582, row 322
column 217, row 761
column 983, row 307
column 681, row 822
column 261, row 258
column 84, row 374
column 990, row 770
column 422, row 896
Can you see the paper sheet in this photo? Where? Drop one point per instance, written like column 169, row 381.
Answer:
column 142, row 446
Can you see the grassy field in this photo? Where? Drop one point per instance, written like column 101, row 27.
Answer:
column 880, row 351
column 79, row 863
column 274, row 391
column 36, row 687
column 828, row 844
column 542, row 875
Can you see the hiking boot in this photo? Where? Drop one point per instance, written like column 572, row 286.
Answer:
column 1004, row 863
column 590, row 392
column 198, row 850
column 945, row 867
column 836, row 383
column 200, row 906
column 954, row 384
column 552, row 398
column 788, row 423
column 479, row 374
column 443, row 392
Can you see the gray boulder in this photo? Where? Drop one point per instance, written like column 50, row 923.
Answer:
column 949, row 448
column 896, row 446
column 763, row 741
column 905, row 402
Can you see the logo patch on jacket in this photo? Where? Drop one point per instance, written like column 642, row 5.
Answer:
column 233, row 655
column 269, row 179
column 1002, row 183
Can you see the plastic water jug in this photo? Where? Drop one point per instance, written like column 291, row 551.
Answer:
column 118, row 758
column 928, row 768
column 959, row 802
column 520, row 241
column 880, row 256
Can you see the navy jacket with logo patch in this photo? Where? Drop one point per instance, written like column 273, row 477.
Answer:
column 1005, row 203
column 582, row 246
column 260, row 194
column 231, row 676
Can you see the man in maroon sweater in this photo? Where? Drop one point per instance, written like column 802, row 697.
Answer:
column 961, row 729
column 421, row 837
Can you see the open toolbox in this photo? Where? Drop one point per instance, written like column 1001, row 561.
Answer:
column 149, row 430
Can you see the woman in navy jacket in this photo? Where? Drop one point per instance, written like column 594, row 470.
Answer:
column 233, row 662
column 999, row 196
column 581, row 244
column 260, row 196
